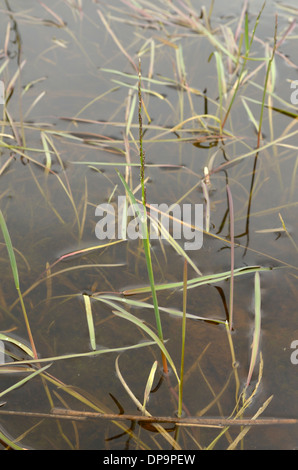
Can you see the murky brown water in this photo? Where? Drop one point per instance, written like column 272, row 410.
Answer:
column 67, row 63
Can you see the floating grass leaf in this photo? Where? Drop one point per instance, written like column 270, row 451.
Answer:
column 18, row 343
column 10, row 442
column 141, row 304
column 90, row 322
column 46, row 151
column 198, row 281
column 257, row 328
column 116, row 40
column 149, row 384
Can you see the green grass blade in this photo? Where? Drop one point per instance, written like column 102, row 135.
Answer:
column 47, row 152
column 149, row 385
column 17, row 343
column 198, row 281
column 9, row 441
column 142, row 217
column 98, row 352
column 171, row 311
column 23, row 381
column 165, row 233
column 257, row 328
column 11, row 254
column 121, row 312
column 246, row 35
column 90, row 322
column 180, row 399
column 15, row 273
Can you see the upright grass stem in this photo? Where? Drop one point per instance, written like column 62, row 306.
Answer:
column 15, row 273
column 180, row 403
column 266, row 85
column 146, row 241
column 143, row 217
column 231, row 211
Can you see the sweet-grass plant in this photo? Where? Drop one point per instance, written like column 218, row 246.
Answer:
column 234, row 54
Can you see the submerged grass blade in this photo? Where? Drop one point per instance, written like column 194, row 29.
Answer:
column 116, row 40
column 245, row 430
column 170, row 311
column 158, row 427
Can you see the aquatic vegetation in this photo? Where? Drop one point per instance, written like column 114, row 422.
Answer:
column 141, row 343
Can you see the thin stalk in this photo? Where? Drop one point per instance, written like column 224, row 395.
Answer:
column 231, row 211
column 248, row 45
column 146, row 242
column 183, row 339
column 257, row 329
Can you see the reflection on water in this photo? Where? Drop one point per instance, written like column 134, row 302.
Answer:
column 71, row 105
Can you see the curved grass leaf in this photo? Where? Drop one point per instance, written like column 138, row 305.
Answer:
column 98, row 352
column 120, row 312
column 169, row 310
column 257, row 328
column 23, row 381
column 199, row 281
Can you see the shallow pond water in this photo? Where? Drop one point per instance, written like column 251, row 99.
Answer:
column 71, row 82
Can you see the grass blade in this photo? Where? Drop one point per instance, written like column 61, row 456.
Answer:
column 231, row 211
column 15, row 273
column 149, row 385
column 16, row 342
column 90, row 322
column 257, row 329
column 98, row 352
column 9, row 247
column 198, row 281
column 121, row 312
column 180, row 401
column 23, row 381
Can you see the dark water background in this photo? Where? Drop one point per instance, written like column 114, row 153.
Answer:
column 43, row 226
